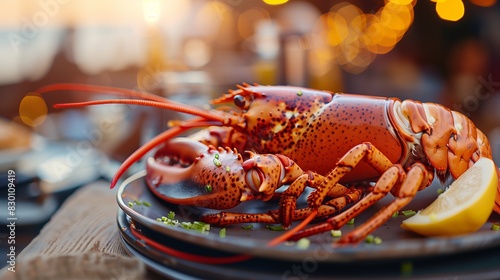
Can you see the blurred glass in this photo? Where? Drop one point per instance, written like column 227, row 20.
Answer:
column 190, row 87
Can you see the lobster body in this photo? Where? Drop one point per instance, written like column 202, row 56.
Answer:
column 316, row 128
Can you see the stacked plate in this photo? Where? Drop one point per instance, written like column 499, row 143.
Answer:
column 242, row 253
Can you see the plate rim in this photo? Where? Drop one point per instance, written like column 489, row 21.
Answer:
column 434, row 246
column 151, row 254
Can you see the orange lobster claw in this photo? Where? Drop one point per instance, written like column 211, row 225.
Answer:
column 187, row 172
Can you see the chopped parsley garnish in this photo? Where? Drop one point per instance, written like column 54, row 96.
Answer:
column 275, row 228
column 303, row 244
column 408, row 213
column 195, row 226
column 247, row 227
column 336, row 233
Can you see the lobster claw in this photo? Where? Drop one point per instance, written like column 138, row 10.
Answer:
column 187, row 172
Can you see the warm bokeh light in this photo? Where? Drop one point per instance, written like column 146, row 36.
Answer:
column 338, row 29
column 275, row 2
column 209, row 19
column 32, row 110
column 451, row 10
column 401, row 2
column 197, row 53
column 152, row 10
column 109, row 39
column 249, row 19
column 357, row 37
column 484, row 3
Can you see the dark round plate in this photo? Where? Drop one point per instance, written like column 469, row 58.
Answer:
column 397, row 243
column 481, row 264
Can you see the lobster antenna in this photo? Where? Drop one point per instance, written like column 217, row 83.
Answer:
column 178, row 107
column 100, row 90
column 141, row 151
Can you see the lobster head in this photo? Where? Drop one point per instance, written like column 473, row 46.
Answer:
column 267, row 119
column 267, row 112
column 187, row 172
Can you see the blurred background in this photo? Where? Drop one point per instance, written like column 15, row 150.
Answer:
column 445, row 51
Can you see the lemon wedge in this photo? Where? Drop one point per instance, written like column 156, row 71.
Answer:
column 463, row 208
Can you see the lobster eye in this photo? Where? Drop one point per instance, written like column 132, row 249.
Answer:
column 241, row 101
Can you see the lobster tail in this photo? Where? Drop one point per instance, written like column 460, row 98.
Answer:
column 485, row 149
column 473, row 142
column 450, row 141
column 466, row 146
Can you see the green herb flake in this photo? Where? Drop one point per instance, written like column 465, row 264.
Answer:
column 408, row 213
column 208, row 188
column 406, row 268
column 247, row 227
column 137, row 202
column 495, row 227
column 440, row 191
column 200, row 227
column 275, row 228
column 299, row 93
column 336, row 233
column 186, row 225
column 351, row 222
column 372, row 239
column 147, row 204
column 130, row 204
column 171, row 215
column 169, row 219
column 303, row 244
column 217, row 162
column 194, row 226
column 396, row 214
column 166, row 221
column 369, row 239
column 228, row 168
column 222, row 233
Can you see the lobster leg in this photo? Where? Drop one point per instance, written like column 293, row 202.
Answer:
column 325, row 187
column 393, row 179
column 287, row 213
column 332, row 206
column 404, row 194
column 342, row 196
column 284, row 215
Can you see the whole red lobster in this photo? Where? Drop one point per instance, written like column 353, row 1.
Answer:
column 334, row 143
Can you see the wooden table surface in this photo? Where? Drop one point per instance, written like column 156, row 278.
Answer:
column 81, row 241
